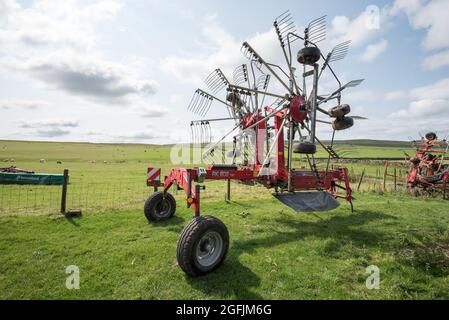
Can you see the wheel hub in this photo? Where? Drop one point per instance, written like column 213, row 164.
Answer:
column 209, row 248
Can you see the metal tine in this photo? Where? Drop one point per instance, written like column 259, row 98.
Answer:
column 262, row 82
column 202, row 105
column 192, row 135
column 205, row 106
column 200, row 140
column 199, row 104
column 283, row 25
column 216, row 81
column 193, row 101
column 316, row 30
column 340, row 51
column 196, row 101
column 317, row 21
column 208, row 132
column 203, row 133
column 353, row 83
column 251, row 55
column 240, row 74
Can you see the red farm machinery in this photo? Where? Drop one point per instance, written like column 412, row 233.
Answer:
column 427, row 170
column 269, row 128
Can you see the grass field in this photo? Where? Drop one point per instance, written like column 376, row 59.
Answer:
column 275, row 253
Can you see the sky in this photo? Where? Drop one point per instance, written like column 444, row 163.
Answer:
column 125, row 71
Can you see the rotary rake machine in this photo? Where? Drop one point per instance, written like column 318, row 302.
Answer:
column 427, row 170
column 266, row 123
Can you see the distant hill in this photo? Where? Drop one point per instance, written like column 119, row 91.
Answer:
column 373, row 143
column 354, row 142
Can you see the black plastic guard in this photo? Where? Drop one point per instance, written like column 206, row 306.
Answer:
column 308, row 201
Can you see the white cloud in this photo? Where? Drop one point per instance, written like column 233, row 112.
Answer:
column 55, row 43
column 372, row 51
column 87, row 76
column 437, row 90
column 396, row 95
column 50, row 123
column 52, row 133
column 136, row 136
column 359, row 30
column 429, row 15
column 22, row 104
column 55, row 23
column 437, row 60
column 153, row 111
column 426, row 108
column 429, row 102
column 224, row 52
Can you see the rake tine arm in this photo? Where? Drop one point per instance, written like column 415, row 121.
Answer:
column 262, row 61
column 239, row 88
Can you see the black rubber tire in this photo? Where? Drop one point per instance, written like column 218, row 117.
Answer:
column 304, row 147
column 159, row 206
column 431, row 136
column 309, row 55
column 343, row 123
column 189, row 240
column 339, row 111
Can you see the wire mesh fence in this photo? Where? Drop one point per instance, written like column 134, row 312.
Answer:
column 29, row 199
column 112, row 195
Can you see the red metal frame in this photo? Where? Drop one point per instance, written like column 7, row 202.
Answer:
column 329, row 180
column 426, row 166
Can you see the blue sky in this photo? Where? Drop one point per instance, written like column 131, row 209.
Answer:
column 124, row 71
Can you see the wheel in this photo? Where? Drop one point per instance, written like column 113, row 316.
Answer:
column 339, row 111
column 202, row 246
column 160, row 206
column 304, row 147
column 309, row 55
column 343, row 123
column 431, row 136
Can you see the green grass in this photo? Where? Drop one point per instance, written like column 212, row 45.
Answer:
column 275, row 253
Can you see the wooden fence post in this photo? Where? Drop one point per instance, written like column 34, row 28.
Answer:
column 385, row 174
column 395, row 179
column 228, row 194
column 64, row 191
column 361, row 178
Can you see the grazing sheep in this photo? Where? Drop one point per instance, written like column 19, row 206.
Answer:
column 6, row 160
column 59, row 162
column 12, row 160
column 42, row 160
column 92, row 161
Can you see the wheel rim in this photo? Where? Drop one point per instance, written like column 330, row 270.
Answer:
column 209, row 248
column 163, row 208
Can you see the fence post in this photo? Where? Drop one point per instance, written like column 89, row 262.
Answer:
column 395, row 179
column 64, row 191
column 385, row 174
column 228, row 194
column 361, row 178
